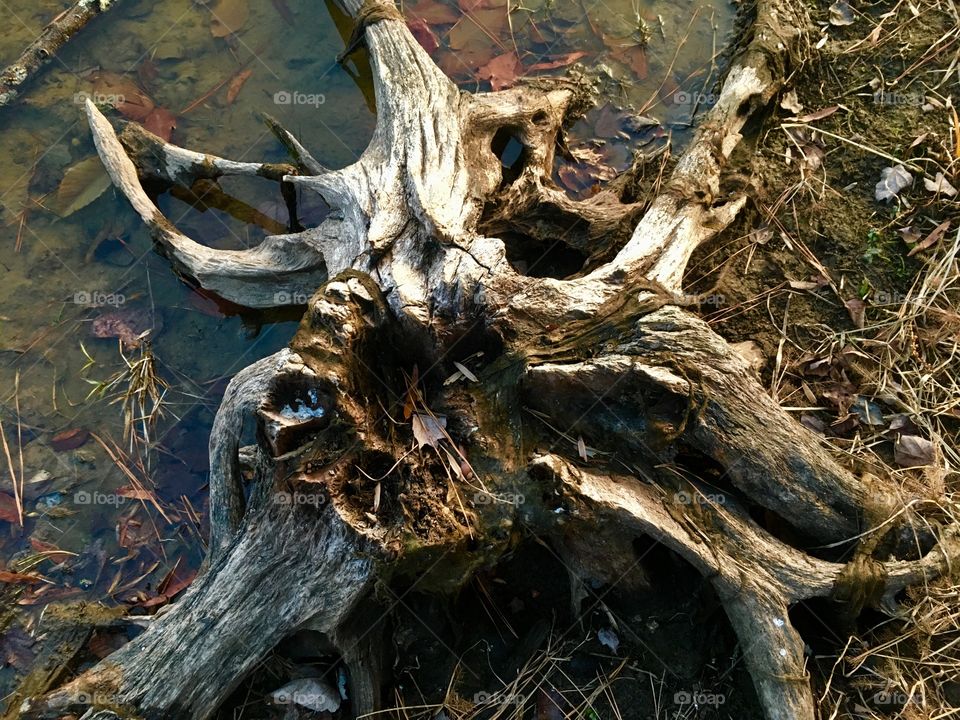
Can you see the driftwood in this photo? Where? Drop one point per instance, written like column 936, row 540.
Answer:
column 42, row 50
column 412, row 269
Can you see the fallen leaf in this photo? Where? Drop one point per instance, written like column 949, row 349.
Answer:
column 52, row 552
column 558, row 61
column 856, row 308
column 12, row 577
column 228, row 17
column 791, row 102
column 424, row 35
column 8, row 508
column 608, row 638
column 913, row 450
column 82, row 183
column 841, row 13
column 428, row 430
column 940, row 185
column 932, row 239
column 123, row 94
column 312, row 693
column 502, row 71
column 16, row 648
column 818, row 114
column 128, row 324
column 161, row 122
column 233, row 89
column 466, row 371
column 892, row 181
column 433, row 12
column 69, row 439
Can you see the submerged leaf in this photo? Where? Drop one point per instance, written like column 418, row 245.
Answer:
column 229, row 16
column 81, row 185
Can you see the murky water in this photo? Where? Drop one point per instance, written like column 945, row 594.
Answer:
column 134, row 521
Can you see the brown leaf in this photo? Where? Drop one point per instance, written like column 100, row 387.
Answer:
column 558, row 61
column 932, row 239
column 856, row 308
column 52, row 552
column 423, row 34
column 8, row 508
column 15, row 578
column 502, row 71
column 123, row 94
column 913, row 450
column 127, row 324
column 82, row 183
column 433, row 12
column 818, row 114
column 16, row 648
column 69, row 439
column 233, row 89
column 228, row 17
column 161, row 122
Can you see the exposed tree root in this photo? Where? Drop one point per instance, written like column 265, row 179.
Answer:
column 408, row 266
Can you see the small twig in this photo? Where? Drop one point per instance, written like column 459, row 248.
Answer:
column 53, row 37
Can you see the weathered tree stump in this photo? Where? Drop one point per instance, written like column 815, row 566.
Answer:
column 412, row 269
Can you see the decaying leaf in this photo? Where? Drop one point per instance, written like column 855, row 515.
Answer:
column 892, row 181
column 857, row 310
column 8, row 508
column 913, row 451
column 228, row 17
column 428, row 429
column 311, row 693
column 940, row 185
column 558, row 61
column 841, row 13
column 123, row 94
column 791, row 103
column 82, row 183
column 502, row 71
column 130, row 325
column 233, row 89
column 466, row 371
column 69, row 439
column 608, row 638
column 930, row 240
column 424, row 35
column 161, row 122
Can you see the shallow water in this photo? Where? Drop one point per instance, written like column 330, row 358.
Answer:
column 54, row 270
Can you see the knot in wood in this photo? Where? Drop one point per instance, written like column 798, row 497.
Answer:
column 372, row 11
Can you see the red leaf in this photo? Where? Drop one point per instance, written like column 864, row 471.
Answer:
column 8, row 508
column 69, row 439
column 502, row 71
column 558, row 62
column 52, row 551
column 424, row 35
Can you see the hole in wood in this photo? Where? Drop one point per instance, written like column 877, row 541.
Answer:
column 510, row 151
column 542, row 258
